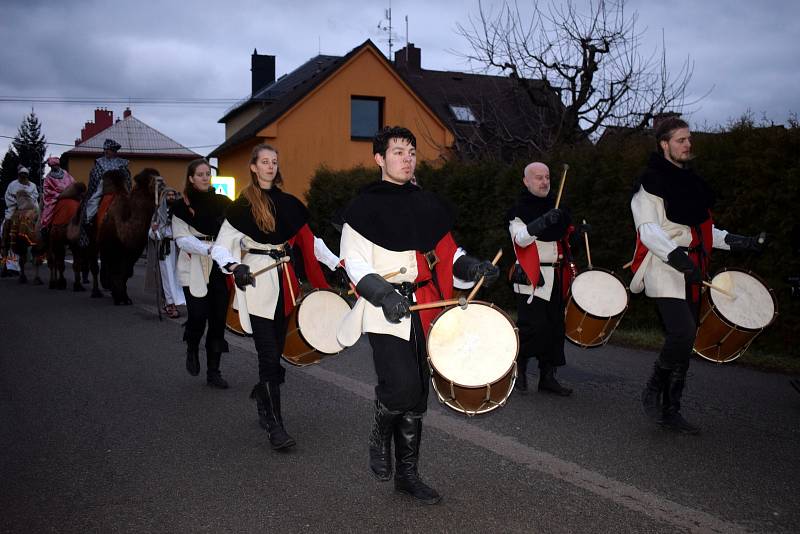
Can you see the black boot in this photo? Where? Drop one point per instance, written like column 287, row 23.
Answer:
column 407, row 437
column 655, row 392
column 380, row 442
column 549, row 384
column 213, row 375
column 521, row 385
column 193, row 360
column 672, row 403
column 268, row 401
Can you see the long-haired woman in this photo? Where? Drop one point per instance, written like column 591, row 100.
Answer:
column 196, row 220
column 261, row 227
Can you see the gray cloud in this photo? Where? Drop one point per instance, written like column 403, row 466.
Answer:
column 89, row 48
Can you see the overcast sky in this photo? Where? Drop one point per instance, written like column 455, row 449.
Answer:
column 744, row 52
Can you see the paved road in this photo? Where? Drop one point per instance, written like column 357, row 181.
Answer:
column 102, row 430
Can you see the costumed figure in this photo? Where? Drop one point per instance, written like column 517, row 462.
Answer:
column 261, row 227
column 390, row 226
column 161, row 248
column 56, row 181
column 196, row 221
column 20, row 188
column 94, row 192
column 671, row 208
column 541, row 277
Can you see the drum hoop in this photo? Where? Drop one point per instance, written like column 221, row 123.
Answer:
column 297, row 311
column 590, row 314
column 727, row 321
column 490, row 305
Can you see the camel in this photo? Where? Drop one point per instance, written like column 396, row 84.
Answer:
column 23, row 236
column 122, row 233
column 65, row 210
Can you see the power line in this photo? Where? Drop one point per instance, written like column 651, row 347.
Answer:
column 129, row 150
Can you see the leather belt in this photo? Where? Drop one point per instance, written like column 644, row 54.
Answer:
column 274, row 253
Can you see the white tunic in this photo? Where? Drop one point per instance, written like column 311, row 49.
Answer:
column 194, row 260
column 548, row 253
column 661, row 236
column 11, row 196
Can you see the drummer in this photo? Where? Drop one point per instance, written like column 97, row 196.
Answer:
column 541, row 278
column 671, row 208
column 260, row 228
column 393, row 224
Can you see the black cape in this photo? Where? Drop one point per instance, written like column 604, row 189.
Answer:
column 290, row 216
column 399, row 217
column 687, row 197
column 530, row 207
column 207, row 211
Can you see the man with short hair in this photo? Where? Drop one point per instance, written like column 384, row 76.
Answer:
column 541, row 276
column 94, row 192
column 671, row 208
column 393, row 226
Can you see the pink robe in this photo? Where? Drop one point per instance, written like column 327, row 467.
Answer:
column 52, row 188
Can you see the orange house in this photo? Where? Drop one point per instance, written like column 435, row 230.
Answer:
column 325, row 113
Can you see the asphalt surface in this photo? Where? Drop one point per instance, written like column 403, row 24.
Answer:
column 102, row 430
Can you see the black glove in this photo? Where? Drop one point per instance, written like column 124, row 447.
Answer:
column 583, row 228
column 555, row 216
column 741, row 243
column 680, row 261
column 242, row 277
column 379, row 292
column 472, row 269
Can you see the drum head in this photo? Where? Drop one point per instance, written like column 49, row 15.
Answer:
column 473, row 346
column 319, row 315
column 599, row 293
column 753, row 307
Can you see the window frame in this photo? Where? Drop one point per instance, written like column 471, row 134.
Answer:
column 381, row 103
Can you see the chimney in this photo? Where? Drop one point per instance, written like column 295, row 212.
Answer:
column 127, row 113
column 409, row 58
column 263, row 69
column 103, row 118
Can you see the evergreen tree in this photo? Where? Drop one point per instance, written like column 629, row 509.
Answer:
column 30, row 146
column 8, row 172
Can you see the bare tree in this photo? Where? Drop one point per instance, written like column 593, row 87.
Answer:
column 590, row 59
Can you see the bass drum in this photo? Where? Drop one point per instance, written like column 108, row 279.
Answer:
column 729, row 325
column 312, row 327
column 597, row 301
column 472, row 354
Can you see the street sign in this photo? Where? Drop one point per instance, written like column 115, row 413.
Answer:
column 225, row 185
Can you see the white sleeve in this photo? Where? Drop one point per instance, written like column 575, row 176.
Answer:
column 228, row 239
column 656, row 240
column 519, row 232
column 11, row 201
column 184, row 238
column 719, row 238
column 458, row 283
column 324, row 254
column 356, row 252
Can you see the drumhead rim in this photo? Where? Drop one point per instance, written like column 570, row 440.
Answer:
column 727, row 321
column 590, row 314
column 483, row 303
column 296, row 312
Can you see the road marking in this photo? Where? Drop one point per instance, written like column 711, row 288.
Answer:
column 640, row 501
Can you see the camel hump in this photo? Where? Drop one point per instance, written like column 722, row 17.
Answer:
column 73, row 191
column 65, row 210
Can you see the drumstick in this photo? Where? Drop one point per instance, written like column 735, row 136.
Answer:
column 385, row 277
column 725, row 292
column 586, row 240
column 280, row 261
column 627, row 265
column 480, row 282
column 440, row 304
column 561, row 187
column 291, row 289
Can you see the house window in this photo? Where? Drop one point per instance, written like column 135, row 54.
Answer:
column 366, row 116
column 463, row 113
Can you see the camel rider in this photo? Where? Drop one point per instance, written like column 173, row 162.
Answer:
column 56, row 181
column 94, row 192
column 21, row 184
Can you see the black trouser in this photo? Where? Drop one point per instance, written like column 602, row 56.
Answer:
column 541, row 328
column 402, row 369
column 269, row 336
column 679, row 320
column 210, row 309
